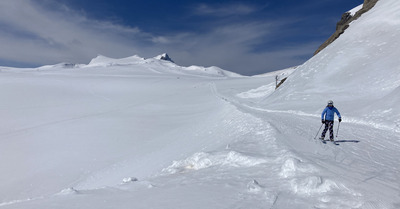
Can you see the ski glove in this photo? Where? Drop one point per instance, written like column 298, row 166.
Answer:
column 340, row 120
column 323, row 121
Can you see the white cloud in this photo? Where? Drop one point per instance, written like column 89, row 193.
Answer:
column 31, row 34
column 37, row 35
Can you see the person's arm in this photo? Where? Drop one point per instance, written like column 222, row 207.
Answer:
column 338, row 114
column 323, row 115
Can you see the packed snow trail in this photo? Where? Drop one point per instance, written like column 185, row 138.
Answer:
column 365, row 162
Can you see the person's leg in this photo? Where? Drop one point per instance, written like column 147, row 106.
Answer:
column 324, row 131
column 331, row 131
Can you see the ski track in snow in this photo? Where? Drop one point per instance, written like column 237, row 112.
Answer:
column 379, row 168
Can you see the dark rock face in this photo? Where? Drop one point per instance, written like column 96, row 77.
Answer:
column 166, row 58
column 344, row 23
column 345, row 18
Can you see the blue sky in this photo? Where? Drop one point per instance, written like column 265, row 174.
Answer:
column 247, row 37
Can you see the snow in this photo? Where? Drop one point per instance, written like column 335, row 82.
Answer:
column 355, row 9
column 164, row 56
column 268, row 89
column 148, row 133
column 101, row 60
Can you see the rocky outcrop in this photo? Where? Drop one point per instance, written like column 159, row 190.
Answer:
column 345, row 21
column 164, row 57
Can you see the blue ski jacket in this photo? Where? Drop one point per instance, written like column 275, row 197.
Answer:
column 329, row 113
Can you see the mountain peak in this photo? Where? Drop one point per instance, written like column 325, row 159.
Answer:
column 345, row 21
column 164, row 57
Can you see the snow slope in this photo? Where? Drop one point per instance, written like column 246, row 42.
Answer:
column 147, row 133
column 359, row 71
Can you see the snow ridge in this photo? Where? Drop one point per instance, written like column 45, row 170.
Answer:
column 103, row 61
column 204, row 160
column 161, row 64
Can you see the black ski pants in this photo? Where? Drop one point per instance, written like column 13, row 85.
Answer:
column 328, row 125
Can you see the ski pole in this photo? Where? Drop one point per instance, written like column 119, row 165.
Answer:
column 337, row 130
column 318, row 131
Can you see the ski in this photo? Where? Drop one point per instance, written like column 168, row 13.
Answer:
column 322, row 140
column 335, row 143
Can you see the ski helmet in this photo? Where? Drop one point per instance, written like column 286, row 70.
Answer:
column 330, row 102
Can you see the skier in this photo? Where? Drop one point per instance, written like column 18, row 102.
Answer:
column 328, row 116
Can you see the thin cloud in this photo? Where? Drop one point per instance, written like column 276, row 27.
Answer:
column 224, row 10
column 32, row 34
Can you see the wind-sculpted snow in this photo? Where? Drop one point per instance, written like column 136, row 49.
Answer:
column 68, row 191
column 292, row 166
column 205, row 160
column 312, row 185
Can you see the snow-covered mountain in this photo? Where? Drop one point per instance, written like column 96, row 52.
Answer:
column 160, row 64
column 148, row 133
column 360, row 70
column 102, row 61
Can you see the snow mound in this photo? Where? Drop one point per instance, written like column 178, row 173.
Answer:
column 292, row 166
column 254, row 187
column 68, row 191
column 103, row 61
column 204, row 160
column 312, row 185
column 214, row 71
